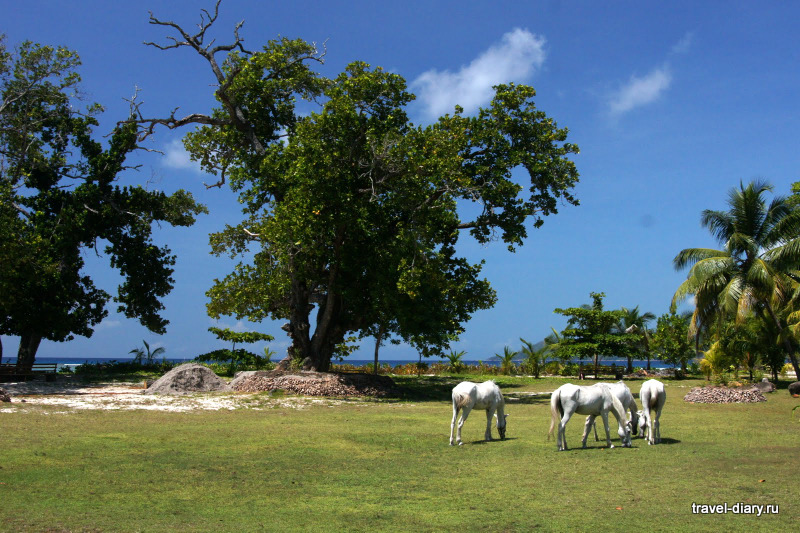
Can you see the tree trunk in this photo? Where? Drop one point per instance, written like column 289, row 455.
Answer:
column 787, row 344
column 629, row 370
column 26, row 355
column 378, row 339
column 596, row 363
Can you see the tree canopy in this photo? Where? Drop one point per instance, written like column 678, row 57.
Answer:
column 353, row 212
column 59, row 198
column 591, row 333
column 756, row 271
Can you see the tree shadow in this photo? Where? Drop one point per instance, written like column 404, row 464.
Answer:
column 493, row 440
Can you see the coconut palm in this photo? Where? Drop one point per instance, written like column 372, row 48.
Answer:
column 506, row 360
column 456, row 364
column 634, row 321
column 145, row 355
column 755, row 272
column 534, row 357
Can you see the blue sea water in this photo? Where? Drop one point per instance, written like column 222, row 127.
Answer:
column 74, row 361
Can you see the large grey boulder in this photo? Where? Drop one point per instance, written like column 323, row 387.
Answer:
column 188, row 378
column 794, row 388
column 764, row 385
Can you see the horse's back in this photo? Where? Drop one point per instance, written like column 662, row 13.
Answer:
column 652, row 391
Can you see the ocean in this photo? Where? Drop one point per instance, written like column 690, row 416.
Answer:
column 75, row 361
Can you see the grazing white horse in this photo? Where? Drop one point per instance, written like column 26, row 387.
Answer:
column 623, row 394
column 595, row 400
column 653, row 397
column 484, row 396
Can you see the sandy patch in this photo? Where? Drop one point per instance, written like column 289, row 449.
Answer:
column 71, row 395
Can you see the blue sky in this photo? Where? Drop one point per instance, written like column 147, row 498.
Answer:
column 672, row 104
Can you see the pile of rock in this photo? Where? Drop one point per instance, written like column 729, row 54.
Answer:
column 186, row 379
column 316, row 384
column 724, row 395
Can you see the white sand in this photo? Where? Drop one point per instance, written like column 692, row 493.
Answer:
column 71, row 395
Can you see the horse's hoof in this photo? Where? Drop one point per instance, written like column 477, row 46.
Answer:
column 611, row 447
column 460, row 443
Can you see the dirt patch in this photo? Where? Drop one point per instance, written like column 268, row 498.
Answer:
column 317, row 384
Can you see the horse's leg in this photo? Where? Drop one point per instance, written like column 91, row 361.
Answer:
column 604, row 415
column 489, row 415
column 657, row 423
column 453, row 423
column 590, row 423
column 464, row 415
column 562, row 436
column 648, row 424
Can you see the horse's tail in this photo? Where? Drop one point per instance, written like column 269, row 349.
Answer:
column 555, row 409
column 460, row 401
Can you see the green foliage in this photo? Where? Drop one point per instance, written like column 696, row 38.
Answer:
column 507, row 365
column 590, row 333
column 670, row 342
column 535, row 358
column 455, row 359
column 754, row 274
column 238, row 337
column 354, row 210
column 58, row 199
column 145, row 356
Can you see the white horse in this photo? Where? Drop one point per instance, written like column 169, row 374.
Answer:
column 485, row 396
column 653, row 396
column 623, row 394
column 595, row 400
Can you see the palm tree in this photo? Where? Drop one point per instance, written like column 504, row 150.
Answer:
column 534, row 357
column 756, row 269
column 635, row 322
column 144, row 355
column 506, row 360
column 456, row 364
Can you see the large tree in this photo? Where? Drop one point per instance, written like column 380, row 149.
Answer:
column 671, row 340
column 591, row 333
column 755, row 271
column 59, row 199
column 353, row 212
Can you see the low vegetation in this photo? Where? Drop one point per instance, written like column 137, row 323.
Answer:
column 386, row 465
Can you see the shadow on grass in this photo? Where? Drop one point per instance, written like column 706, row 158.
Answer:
column 436, row 388
column 493, row 441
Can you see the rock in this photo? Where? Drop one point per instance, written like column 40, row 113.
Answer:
column 4, row 396
column 284, row 364
column 794, row 388
column 724, row 395
column 188, row 378
column 764, row 386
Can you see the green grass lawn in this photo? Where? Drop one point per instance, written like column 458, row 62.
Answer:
column 387, row 466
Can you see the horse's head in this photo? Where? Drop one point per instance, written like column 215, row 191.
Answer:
column 641, row 423
column 501, row 428
column 634, row 422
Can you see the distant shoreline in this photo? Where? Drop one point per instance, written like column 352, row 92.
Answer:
column 492, row 361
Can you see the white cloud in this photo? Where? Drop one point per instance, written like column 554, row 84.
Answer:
column 176, row 156
column 640, row 91
column 515, row 58
column 683, row 46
